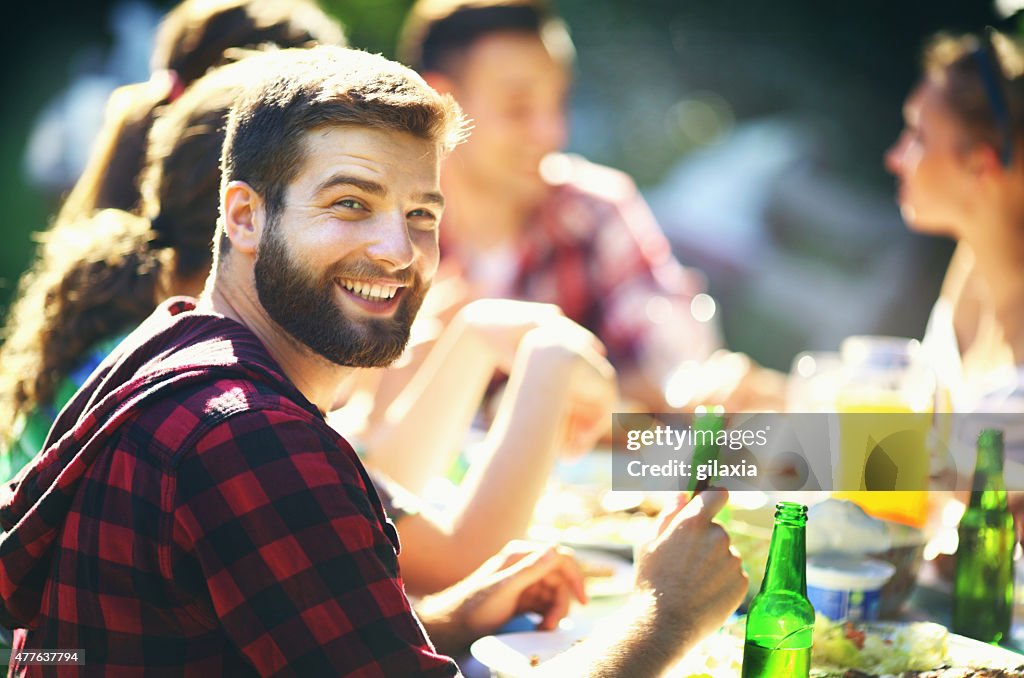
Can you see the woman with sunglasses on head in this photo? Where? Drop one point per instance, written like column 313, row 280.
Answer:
column 959, row 163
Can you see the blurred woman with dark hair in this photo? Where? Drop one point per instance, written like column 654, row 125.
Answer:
column 96, row 277
column 195, row 36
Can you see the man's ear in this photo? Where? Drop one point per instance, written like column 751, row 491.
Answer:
column 244, row 216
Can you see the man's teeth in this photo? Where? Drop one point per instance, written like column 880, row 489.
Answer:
column 370, row 292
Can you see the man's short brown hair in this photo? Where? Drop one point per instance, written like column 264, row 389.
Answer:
column 302, row 90
column 437, row 33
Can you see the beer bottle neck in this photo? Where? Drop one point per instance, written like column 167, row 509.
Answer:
column 786, row 568
column 989, row 489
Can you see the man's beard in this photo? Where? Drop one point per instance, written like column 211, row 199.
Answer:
column 308, row 309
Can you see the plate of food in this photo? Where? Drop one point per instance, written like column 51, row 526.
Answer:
column 842, row 650
column 920, row 649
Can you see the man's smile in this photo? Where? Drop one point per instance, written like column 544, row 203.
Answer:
column 375, row 296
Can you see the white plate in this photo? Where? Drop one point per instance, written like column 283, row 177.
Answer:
column 515, row 654
column 976, row 652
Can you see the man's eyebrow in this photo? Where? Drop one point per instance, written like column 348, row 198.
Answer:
column 432, row 198
column 374, row 188
column 371, row 187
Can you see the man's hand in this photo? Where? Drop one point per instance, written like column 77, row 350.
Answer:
column 693, row 573
column 521, row 578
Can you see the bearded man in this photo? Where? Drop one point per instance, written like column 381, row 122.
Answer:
column 193, row 513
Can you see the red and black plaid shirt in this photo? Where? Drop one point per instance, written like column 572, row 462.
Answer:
column 594, row 249
column 193, row 514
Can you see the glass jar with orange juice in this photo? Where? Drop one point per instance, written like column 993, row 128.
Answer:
column 885, row 406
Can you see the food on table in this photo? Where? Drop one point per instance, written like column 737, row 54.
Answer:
column 841, row 650
column 614, row 521
column 946, row 673
column 592, row 570
column 880, row 650
column 838, row 526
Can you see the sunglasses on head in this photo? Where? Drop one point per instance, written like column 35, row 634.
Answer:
column 992, row 79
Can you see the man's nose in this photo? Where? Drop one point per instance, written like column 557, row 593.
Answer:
column 391, row 244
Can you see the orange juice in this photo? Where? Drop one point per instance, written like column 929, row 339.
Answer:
column 882, row 447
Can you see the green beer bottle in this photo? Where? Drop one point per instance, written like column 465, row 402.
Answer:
column 780, row 621
column 708, row 423
column 983, row 586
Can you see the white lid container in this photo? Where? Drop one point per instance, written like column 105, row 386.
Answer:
column 845, row 587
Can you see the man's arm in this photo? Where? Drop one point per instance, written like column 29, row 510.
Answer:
column 689, row 581
column 300, row 571
column 556, row 381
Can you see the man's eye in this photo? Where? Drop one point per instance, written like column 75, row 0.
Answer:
column 351, row 203
column 422, row 218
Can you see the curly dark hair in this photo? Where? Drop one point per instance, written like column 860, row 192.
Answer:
column 99, row 276
column 93, row 278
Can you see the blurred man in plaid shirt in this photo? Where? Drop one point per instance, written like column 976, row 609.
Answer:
column 527, row 221
column 193, row 514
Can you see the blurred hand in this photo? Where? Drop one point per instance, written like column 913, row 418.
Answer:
column 731, row 380
column 521, row 578
column 689, row 566
column 579, row 375
column 501, row 324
